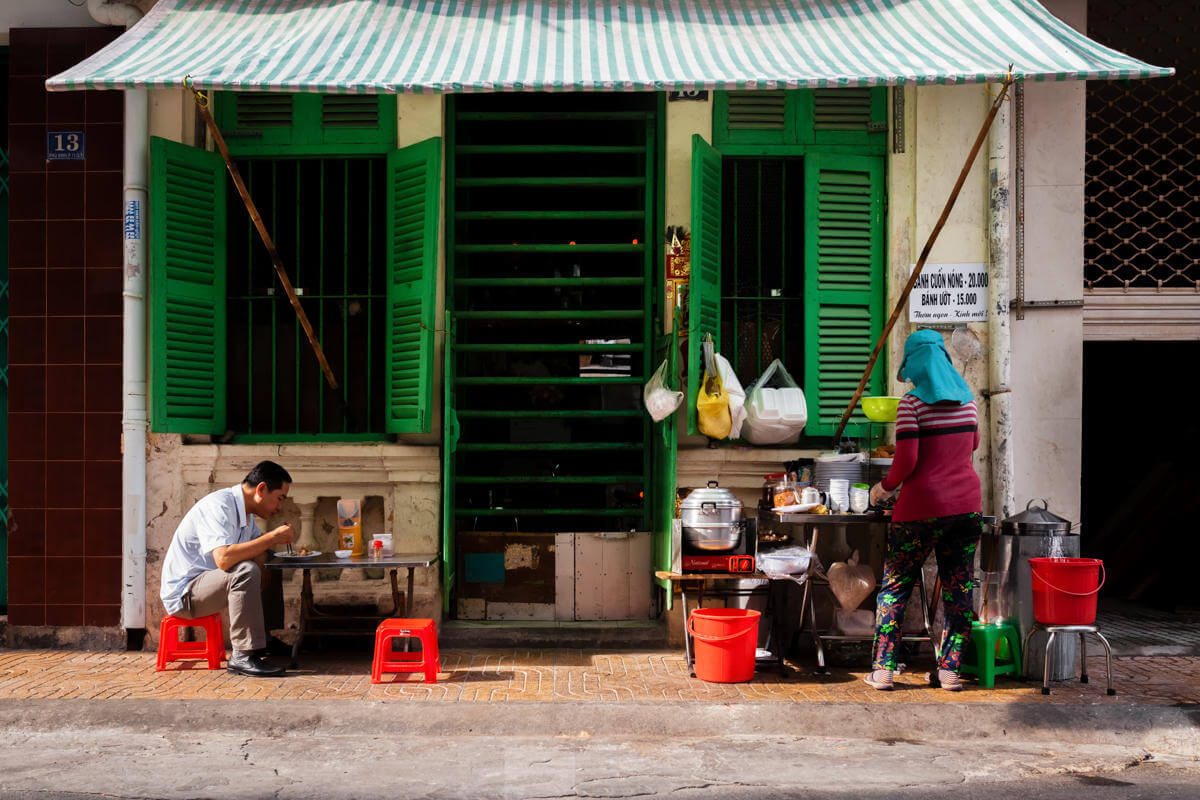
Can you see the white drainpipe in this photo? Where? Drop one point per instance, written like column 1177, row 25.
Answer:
column 134, row 423
column 999, row 391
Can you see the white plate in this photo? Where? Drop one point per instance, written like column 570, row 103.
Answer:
column 311, row 554
column 798, row 509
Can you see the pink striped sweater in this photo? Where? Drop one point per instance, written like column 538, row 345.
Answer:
column 933, row 460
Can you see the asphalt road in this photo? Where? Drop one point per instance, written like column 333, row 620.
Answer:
column 252, row 750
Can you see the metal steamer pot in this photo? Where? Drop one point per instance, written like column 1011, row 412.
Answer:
column 713, row 518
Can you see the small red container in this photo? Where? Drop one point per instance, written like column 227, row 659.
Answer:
column 726, row 640
column 1065, row 589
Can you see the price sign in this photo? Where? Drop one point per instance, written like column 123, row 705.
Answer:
column 949, row 294
column 65, row 146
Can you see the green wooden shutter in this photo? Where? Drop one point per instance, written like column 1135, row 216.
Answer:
column 413, row 193
column 450, row 435
column 187, row 288
column 704, row 283
column 843, row 283
column 664, row 441
column 275, row 123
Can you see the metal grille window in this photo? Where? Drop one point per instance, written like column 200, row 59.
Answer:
column 327, row 218
column 762, row 292
column 1142, row 226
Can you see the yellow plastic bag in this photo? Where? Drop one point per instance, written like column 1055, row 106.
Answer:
column 712, row 407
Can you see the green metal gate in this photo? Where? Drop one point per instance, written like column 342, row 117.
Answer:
column 552, row 203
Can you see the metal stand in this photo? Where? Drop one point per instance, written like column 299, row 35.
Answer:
column 808, row 609
column 776, row 604
column 1052, row 630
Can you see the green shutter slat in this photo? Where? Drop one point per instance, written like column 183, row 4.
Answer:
column 704, row 287
column 187, row 289
column 413, row 192
column 843, row 277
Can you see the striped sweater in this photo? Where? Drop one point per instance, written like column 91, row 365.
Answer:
column 933, row 460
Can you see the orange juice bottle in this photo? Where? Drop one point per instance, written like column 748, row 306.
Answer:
column 349, row 514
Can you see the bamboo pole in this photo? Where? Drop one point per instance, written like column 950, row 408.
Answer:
column 912, row 279
column 268, row 242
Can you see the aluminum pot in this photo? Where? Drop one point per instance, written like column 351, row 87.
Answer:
column 1036, row 522
column 713, row 518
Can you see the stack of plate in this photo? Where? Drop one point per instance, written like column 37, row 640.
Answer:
column 824, row 471
column 877, row 469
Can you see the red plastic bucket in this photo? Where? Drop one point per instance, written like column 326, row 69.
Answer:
column 725, row 641
column 1065, row 589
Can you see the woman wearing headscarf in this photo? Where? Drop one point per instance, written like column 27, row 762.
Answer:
column 939, row 508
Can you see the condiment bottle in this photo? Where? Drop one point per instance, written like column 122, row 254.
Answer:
column 376, row 549
column 769, row 484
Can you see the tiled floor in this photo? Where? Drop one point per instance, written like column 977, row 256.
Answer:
column 550, row 675
column 1140, row 630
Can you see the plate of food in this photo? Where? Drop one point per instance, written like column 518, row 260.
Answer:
column 303, row 552
column 796, row 509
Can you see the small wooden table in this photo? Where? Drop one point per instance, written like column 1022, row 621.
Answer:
column 308, row 608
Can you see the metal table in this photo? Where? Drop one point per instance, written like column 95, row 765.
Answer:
column 700, row 580
column 807, row 607
column 308, row 608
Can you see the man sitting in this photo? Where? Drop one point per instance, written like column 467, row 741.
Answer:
column 215, row 561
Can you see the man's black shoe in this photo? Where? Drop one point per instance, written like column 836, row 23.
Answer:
column 246, row 662
column 275, row 647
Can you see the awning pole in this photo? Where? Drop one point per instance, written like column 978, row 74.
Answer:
column 268, row 242
column 912, row 279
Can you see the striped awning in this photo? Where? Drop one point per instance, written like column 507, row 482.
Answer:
column 393, row 46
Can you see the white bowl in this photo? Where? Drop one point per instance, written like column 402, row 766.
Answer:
column 342, row 553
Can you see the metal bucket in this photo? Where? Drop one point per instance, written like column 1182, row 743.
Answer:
column 1004, row 567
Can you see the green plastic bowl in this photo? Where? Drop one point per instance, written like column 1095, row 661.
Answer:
column 880, row 409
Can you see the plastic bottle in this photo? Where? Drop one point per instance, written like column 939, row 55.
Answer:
column 376, row 549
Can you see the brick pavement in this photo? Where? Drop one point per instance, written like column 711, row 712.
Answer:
column 513, row 675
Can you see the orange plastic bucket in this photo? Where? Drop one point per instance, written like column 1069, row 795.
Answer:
column 725, row 642
column 1065, row 589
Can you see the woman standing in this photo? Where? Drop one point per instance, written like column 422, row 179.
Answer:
column 939, row 509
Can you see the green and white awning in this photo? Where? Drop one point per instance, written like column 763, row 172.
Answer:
column 371, row 46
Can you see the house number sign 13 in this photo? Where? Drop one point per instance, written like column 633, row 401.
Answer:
column 65, row 146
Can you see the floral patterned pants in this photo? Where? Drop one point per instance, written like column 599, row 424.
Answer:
column 953, row 540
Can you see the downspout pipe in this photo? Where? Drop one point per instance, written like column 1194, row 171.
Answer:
column 999, row 392
column 134, row 422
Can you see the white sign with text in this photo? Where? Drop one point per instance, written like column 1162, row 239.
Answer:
column 948, row 294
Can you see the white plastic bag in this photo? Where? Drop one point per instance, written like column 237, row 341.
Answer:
column 796, row 563
column 737, row 395
column 776, row 411
column 660, row 401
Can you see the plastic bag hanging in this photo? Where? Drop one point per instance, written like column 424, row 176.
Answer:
column 659, row 399
column 712, row 403
column 776, row 411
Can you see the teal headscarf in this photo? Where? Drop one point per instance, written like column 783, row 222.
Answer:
column 927, row 364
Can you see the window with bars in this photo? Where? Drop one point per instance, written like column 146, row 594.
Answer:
column 788, row 242
column 357, row 230
column 327, row 217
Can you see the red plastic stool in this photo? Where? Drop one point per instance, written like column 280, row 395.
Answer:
column 386, row 660
column 171, row 649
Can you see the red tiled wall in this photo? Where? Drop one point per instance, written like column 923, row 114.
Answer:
column 64, row 421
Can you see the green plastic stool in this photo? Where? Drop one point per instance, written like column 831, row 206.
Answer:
column 980, row 657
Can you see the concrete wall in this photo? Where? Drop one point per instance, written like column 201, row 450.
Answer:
column 42, row 14
column 1048, row 344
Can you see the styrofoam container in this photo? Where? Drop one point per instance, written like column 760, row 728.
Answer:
column 792, row 408
column 764, row 404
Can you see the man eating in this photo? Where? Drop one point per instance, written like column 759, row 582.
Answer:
column 215, row 562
